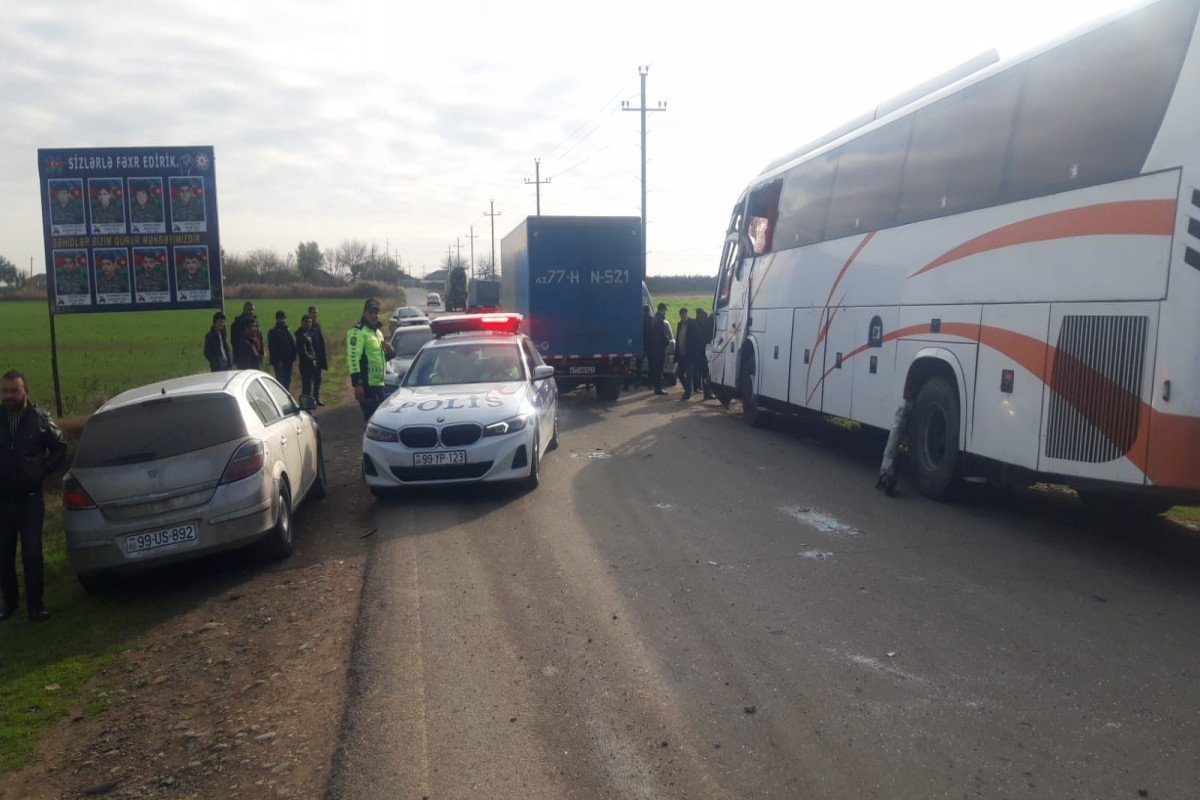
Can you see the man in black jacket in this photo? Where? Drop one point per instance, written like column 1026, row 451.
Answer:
column 686, row 337
column 306, row 353
column 31, row 447
column 246, row 339
column 656, row 347
column 322, row 361
column 216, row 346
column 282, row 348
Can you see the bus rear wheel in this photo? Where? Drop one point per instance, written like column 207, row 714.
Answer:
column 933, row 439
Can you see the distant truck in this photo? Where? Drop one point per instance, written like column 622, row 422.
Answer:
column 483, row 295
column 578, row 283
column 455, row 296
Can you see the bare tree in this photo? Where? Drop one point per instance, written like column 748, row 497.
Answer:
column 351, row 255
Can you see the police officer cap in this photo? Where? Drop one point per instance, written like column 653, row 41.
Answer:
column 662, row 306
column 280, row 315
column 371, row 305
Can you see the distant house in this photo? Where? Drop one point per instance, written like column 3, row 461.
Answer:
column 37, row 282
column 324, row 278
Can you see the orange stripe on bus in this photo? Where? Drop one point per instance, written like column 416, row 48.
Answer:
column 1167, row 447
column 1131, row 217
column 823, row 329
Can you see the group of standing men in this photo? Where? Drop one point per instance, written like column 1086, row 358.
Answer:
column 689, row 338
column 283, row 349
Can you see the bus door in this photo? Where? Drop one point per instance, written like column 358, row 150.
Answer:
column 729, row 305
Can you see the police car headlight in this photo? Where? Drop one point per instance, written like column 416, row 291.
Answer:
column 378, row 433
column 507, row 426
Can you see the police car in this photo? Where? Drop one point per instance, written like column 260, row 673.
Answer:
column 477, row 405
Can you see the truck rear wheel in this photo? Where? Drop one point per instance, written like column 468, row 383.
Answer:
column 609, row 390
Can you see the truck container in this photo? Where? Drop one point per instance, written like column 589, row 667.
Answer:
column 578, row 283
column 455, row 296
column 483, row 295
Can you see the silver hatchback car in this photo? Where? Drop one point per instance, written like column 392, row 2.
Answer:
column 186, row 467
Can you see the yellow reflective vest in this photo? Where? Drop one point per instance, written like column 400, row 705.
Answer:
column 364, row 353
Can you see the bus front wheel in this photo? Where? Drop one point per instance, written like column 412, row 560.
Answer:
column 933, row 439
column 752, row 413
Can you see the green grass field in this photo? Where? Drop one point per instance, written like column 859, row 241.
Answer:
column 100, row 355
column 692, row 302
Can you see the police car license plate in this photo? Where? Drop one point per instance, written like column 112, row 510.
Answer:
column 581, row 370
column 149, row 540
column 441, row 458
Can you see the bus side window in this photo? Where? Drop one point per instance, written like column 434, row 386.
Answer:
column 762, row 209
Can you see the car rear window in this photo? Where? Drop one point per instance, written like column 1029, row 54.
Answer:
column 159, row 428
column 407, row 343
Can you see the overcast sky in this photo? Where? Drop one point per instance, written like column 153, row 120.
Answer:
column 397, row 122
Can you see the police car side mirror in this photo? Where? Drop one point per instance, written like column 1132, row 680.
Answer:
column 542, row 372
column 306, row 402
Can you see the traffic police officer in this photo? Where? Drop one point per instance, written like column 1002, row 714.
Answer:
column 367, row 354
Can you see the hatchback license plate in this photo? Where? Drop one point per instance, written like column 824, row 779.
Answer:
column 149, row 540
column 581, row 370
column 440, row 458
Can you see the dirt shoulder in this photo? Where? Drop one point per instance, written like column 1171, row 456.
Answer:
column 241, row 696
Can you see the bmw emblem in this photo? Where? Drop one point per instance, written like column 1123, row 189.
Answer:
column 441, row 419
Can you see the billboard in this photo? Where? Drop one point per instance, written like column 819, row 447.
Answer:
column 130, row 228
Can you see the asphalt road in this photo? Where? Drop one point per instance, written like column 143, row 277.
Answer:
column 687, row 607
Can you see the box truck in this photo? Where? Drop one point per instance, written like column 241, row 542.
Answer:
column 578, row 283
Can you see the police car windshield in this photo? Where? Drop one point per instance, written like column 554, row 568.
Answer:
column 467, row 362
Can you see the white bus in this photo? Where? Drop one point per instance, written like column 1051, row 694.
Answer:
column 1014, row 256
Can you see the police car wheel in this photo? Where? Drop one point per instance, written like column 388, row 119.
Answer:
column 530, row 482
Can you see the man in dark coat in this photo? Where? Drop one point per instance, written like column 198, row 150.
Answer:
column 216, row 346
column 31, row 447
column 705, row 327
column 322, row 361
column 306, row 353
column 246, row 339
column 657, row 341
column 282, row 348
column 686, row 338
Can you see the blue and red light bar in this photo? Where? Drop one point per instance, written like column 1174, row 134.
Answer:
column 476, row 323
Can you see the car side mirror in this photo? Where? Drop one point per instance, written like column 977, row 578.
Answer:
column 540, row 373
column 307, row 403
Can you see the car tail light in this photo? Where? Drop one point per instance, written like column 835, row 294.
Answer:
column 74, row 497
column 248, row 460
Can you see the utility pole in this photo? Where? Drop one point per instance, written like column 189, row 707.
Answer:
column 449, row 259
column 458, row 244
column 493, row 214
column 472, row 237
column 537, row 181
column 662, row 106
